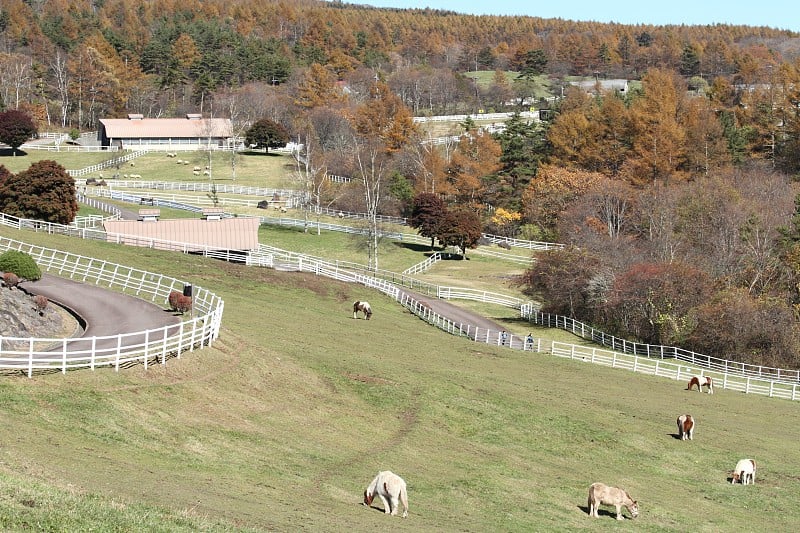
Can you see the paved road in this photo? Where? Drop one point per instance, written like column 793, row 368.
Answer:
column 457, row 314
column 104, row 312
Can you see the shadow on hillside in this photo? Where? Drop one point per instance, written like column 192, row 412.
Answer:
column 427, row 252
column 601, row 512
column 258, row 153
column 6, row 151
column 415, row 247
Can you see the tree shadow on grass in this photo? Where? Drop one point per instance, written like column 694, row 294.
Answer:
column 257, row 153
column 6, row 151
column 415, row 247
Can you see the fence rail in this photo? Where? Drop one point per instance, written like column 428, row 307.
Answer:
column 723, row 366
column 32, row 355
column 678, row 370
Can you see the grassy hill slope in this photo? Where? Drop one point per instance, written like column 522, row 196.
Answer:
column 281, row 424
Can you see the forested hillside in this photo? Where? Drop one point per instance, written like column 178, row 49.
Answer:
column 677, row 193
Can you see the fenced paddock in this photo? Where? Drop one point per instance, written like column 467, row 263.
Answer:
column 32, row 355
column 677, row 370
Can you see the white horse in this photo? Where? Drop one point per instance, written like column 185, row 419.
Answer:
column 601, row 494
column 745, row 470
column 701, row 381
column 685, row 427
column 391, row 489
column 364, row 307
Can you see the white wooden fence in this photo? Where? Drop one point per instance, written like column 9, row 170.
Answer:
column 32, row 355
column 678, row 370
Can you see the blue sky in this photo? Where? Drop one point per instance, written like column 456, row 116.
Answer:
column 772, row 13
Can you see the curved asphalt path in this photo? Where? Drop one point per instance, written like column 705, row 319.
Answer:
column 104, row 313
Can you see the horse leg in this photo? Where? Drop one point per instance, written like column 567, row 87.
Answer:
column 387, row 509
column 619, row 512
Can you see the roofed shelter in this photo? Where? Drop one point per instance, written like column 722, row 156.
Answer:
column 192, row 132
column 190, row 235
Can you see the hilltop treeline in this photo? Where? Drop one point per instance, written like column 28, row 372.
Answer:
column 75, row 61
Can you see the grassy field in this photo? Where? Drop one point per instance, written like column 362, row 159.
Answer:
column 280, row 425
column 249, row 169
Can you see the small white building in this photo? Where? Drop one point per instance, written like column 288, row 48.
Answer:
column 594, row 86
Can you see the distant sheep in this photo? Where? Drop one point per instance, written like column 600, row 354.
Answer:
column 185, row 162
column 196, row 169
column 133, row 163
column 135, row 176
column 206, row 173
column 196, row 172
column 179, row 161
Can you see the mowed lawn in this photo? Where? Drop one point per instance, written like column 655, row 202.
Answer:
column 281, row 424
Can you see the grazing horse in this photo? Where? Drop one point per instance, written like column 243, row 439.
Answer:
column 364, row 307
column 745, row 470
column 391, row 489
column 701, row 381
column 600, row 494
column 685, row 427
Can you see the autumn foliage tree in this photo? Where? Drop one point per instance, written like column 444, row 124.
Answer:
column 653, row 302
column 42, row 192
column 460, row 228
column 266, row 134
column 16, row 127
column 427, row 212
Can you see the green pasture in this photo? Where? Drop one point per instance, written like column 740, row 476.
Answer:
column 69, row 160
column 282, row 422
column 248, row 169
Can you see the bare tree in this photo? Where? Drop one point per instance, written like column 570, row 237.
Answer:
column 58, row 66
column 371, row 161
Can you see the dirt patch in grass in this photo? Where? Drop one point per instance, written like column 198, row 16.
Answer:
column 369, row 379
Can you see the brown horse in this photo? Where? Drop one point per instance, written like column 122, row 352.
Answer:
column 700, row 382
column 685, row 427
column 364, row 307
column 600, row 494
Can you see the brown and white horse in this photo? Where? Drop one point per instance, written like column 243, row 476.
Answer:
column 364, row 307
column 700, row 382
column 685, row 427
column 745, row 470
column 600, row 494
column 391, row 489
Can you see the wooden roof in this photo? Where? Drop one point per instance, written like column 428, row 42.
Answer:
column 191, row 127
column 239, row 233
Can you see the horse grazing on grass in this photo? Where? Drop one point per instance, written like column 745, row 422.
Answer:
column 600, row 494
column 701, row 381
column 364, row 307
column 685, row 427
column 391, row 489
column 745, row 470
